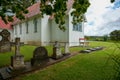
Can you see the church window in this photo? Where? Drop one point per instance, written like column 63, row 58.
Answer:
column 27, row 26
column 77, row 27
column 80, row 27
column 20, row 26
column 35, row 25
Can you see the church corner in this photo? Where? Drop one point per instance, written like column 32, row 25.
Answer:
column 35, row 30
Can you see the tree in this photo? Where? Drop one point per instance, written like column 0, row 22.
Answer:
column 17, row 7
column 105, row 37
column 57, row 8
column 115, row 35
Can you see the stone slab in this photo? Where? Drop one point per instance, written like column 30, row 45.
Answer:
column 99, row 48
column 17, row 62
column 4, row 73
column 85, row 51
column 92, row 49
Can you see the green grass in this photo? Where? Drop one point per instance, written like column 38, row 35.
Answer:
column 94, row 66
column 5, row 58
column 27, row 51
column 80, row 67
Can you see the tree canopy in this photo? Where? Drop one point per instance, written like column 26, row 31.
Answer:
column 115, row 35
column 57, row 8
column 17, row 7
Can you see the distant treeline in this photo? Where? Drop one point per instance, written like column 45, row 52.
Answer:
column 113, row 36
column 98, row 38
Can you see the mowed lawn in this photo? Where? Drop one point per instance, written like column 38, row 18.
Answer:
column 27, row 51
column 97, row 65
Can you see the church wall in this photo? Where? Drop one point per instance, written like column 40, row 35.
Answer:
column 45, row 30
column 33, row 38
column 57, row 34
column 48, row 32
column 74, row 35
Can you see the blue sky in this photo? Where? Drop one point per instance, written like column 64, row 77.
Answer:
column 116, row 4
column 102, row 17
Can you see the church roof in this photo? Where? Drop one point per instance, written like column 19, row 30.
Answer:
column 33, row 10
column 3, row 25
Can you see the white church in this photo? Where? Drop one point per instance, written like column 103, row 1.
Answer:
column 35, row 30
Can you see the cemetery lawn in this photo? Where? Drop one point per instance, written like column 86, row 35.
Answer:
column 97, row 65
column 27, row 51
column 94, row 66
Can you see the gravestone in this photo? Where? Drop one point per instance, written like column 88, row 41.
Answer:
column 99, row 48
column 66, row 49
column 4, row 73
column 13, row 44
column 17, row 61
column 85, row 51
column 56, row 51
column 5, row 43
column 92, row 49
column 40, row 56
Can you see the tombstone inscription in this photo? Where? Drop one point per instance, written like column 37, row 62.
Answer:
column 17, row 61
column 5, row 43
column 40, row 56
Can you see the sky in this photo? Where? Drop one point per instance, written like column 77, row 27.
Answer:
column 102, row 17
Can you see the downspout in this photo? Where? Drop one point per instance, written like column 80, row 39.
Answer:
column 68, row 30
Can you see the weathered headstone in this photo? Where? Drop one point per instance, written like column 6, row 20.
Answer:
column 56, row 51
column 4, row 73
column 66, row 49
column 17, row 61
column 99, row 48
column 92, row 49
column 5, row 43
column 85, row 51
column 13, row 43
column 40, row 56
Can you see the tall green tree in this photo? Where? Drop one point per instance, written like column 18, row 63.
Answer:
column 17, row 7
column 115, row 35
column 57, row 8
column 105, row 37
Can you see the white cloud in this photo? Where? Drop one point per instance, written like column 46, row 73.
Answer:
column 100, row 18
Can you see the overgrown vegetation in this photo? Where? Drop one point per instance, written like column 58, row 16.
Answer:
column 115, row 37
column 116, row 59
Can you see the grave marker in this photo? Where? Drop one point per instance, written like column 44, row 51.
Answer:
column 66, row 49
column 5, row 43
column 40, row 56
column 56, row 51
column 17, row 61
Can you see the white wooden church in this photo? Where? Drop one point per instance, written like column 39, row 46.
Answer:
column 35, row 30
